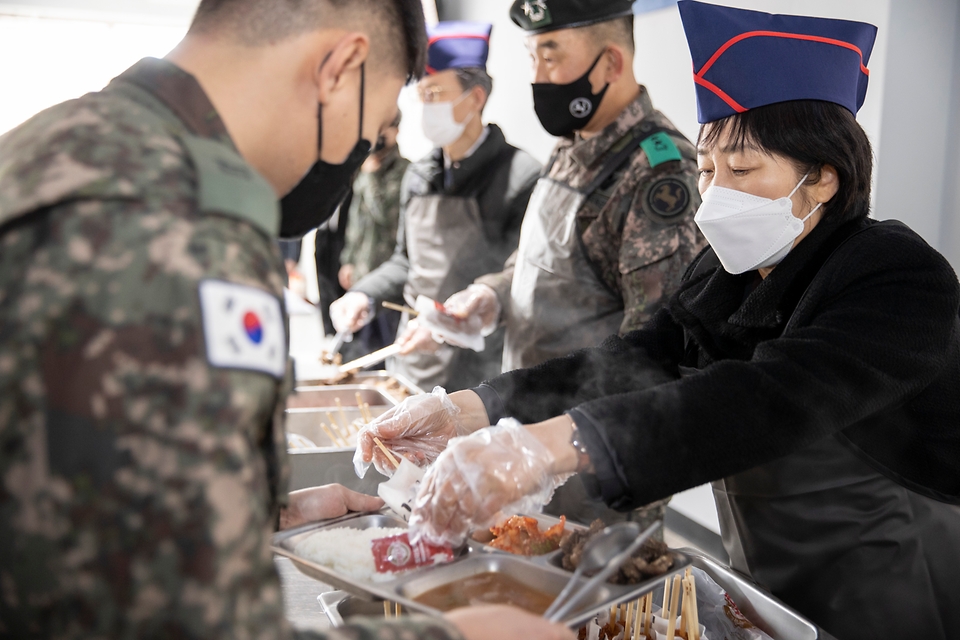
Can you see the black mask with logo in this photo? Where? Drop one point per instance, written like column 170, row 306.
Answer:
column 325, row 187
column 565, row 108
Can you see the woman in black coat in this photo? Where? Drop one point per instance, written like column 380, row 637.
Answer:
column 817, row 387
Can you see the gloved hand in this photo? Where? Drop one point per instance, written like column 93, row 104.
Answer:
column 416, row 339
column 352, row 312
column 476, row 300
column 417, row 429
column 495, row 471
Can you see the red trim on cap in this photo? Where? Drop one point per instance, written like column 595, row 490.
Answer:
column 698, row 75
column 445, row 36
column 720, row 94
column 779, row 34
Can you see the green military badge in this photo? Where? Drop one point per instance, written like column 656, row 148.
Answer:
column 538, row 14
column 667, row 198
column 660, row 148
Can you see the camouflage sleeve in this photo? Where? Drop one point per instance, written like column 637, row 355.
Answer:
column 659, row 240
column 141, row 483
column 413, row 628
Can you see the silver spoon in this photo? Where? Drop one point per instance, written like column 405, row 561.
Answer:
column 605, row 553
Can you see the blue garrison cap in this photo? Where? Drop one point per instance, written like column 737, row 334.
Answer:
column 458, row 45
column 748, row 59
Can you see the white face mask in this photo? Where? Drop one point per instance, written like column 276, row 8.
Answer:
column 749, row 232
column 439, row 125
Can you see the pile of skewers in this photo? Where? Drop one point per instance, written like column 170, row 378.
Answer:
column 637, row 621
column 340, row 431
column 392, row 609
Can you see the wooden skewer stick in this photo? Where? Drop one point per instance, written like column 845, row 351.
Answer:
column 399, row 609
column 638, row 619
column 413, row 313
column 343, row 416
column 386, row 609
column 666, row 598
column 648, row 614
column 672, row 610
column 694, row 610
column 367, row 412
column 386, row 452
column 334, row 439
column 628, row 618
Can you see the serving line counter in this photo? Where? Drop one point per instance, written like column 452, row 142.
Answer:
column 324, row 455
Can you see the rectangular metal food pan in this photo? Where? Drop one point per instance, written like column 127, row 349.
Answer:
column 326, row 397
column 769, row 614
column 306, row 423
column 394, row 385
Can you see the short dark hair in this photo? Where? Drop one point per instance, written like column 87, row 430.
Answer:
column 470, row 77
column 616, row 31
column 812, row 134
column 397, row 29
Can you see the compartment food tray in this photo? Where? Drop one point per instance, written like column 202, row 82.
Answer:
column 541, row 573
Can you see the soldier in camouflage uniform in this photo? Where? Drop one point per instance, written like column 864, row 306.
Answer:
column 374, row 212
column 143, row 367
column 610, row 228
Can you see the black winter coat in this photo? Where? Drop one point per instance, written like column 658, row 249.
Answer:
column 856, row 332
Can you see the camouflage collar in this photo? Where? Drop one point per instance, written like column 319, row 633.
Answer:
column 182, row 94
column 588, row 152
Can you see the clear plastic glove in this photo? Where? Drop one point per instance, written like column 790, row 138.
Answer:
column 417, row 429
column 477, row 300
column 352, row 312
column 497, row 470
column 416, row 339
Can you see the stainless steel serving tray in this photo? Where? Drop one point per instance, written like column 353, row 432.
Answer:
column 368, row 378
column 542, row 573
column 769, row 614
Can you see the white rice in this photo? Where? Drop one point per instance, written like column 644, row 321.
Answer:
column 346, row 551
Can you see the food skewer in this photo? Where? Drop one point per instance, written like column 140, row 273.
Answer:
column 413, row 313
column 343, row 415
column 672, row 609
column 386, row 452
column 335, row 439
column 627, row 619
column 648, row 614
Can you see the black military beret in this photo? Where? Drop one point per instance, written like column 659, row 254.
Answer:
column 540, row 16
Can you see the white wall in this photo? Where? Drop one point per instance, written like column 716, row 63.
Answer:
column 49, row 60
column 918, row 169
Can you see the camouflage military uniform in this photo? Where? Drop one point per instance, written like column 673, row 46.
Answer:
column 139, row 484
column 638, row 228
column 638, row 235
column 374, row 215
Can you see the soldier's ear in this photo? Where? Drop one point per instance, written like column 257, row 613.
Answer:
column 336, row 66
column 613, row 63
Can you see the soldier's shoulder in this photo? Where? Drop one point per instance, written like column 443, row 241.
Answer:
column 100, row 146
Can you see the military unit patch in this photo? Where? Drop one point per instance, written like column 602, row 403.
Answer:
column 667, row 198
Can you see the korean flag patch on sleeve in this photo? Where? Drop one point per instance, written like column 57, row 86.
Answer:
column 243, row 327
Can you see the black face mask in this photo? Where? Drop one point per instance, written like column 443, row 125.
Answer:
column 325, row 187
column 565, row 108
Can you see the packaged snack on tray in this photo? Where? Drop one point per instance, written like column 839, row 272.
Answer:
column 396, row 553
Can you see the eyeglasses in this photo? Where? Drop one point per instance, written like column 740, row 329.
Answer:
column 432, row 94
